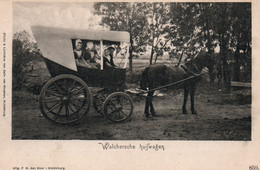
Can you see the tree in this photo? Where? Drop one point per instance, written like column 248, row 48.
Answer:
column 184, row 29
column 233, row 30
column 158, row 29
column 24, row 51
column 241, row 38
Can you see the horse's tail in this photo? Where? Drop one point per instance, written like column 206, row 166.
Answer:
column 144, row 79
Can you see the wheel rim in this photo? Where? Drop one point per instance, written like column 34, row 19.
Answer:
column 118, row 107
column 65, row 100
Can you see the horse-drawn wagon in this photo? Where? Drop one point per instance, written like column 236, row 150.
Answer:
column 66, row 98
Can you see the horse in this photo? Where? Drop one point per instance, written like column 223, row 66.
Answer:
column 158, row 75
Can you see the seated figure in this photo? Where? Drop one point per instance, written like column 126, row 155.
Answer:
column 84, row 58
column 92, row 55
column 111, row 53
column 79, row 55
column 106, row 62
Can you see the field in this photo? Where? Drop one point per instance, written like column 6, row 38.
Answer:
column 221, row 116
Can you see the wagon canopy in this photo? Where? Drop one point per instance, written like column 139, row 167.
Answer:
column 55, row 43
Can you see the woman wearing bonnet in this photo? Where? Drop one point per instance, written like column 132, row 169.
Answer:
column 79, row 54
column 83, row 58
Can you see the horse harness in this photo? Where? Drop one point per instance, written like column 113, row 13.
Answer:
column 186, row 69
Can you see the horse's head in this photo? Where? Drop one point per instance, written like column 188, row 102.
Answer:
column 205, row 60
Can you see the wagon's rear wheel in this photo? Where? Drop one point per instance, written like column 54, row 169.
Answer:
column 65, row 99
column 118, row 107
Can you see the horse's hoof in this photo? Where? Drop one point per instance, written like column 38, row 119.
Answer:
column 147, row 115
column 184, row 112
column 193, row 112
column 155, row 115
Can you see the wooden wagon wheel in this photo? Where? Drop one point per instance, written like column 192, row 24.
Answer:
column 65, row 99
column 118, row 106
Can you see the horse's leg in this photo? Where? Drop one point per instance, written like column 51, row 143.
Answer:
column 186, row 93
column 192, row 92
column 147, row 104
column 152, row 111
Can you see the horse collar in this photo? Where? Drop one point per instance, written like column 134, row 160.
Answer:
column 195, row 67
column 184, row 67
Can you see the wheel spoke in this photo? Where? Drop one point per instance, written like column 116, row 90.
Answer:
column 123, row 113
column 56, row 117
column 53, row 99
column 112, row 112
column 118, row 115
column 67, row 110
column 54, row 107
column 77, row 91
column 74, row 112
column 77, row 99
column 58, row 88
column 66, row 85
column 51, row 92
column 71, row 87
column 61, row 106
column 67, row 113
column 110, row 102
column 118, row 99
column 71, row 108
column 77, row 106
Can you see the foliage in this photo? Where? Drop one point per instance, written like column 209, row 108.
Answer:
column 24, row 51
column 158, row 28
column 186, row 29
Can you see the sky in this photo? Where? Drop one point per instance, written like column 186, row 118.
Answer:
column 66, row 14
column 77, row 15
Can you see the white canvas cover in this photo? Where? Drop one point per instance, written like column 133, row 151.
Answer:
column 56, row 45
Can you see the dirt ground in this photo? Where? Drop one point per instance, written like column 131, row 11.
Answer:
column 220, row 116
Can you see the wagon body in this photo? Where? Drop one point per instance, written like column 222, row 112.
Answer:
column 57, row 49
column 110, row 78
column 66, row 98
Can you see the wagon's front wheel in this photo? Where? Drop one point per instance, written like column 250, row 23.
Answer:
column 65, row 99
column 118, row 107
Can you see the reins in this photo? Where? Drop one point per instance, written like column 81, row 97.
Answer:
column 174, row 83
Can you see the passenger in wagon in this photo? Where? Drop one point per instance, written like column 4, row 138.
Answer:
column 106, row 62
column 92, row 55
column 83, row 58
column 111, row 53
column 79, row 54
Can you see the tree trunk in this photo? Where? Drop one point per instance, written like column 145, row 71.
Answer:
column 180, row 58
column 225, row 72
column 152, row 52
column 236, row 67
column 131, row 58
column 151, row 57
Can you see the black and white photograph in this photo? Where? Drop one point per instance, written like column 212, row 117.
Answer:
column 132, row 71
